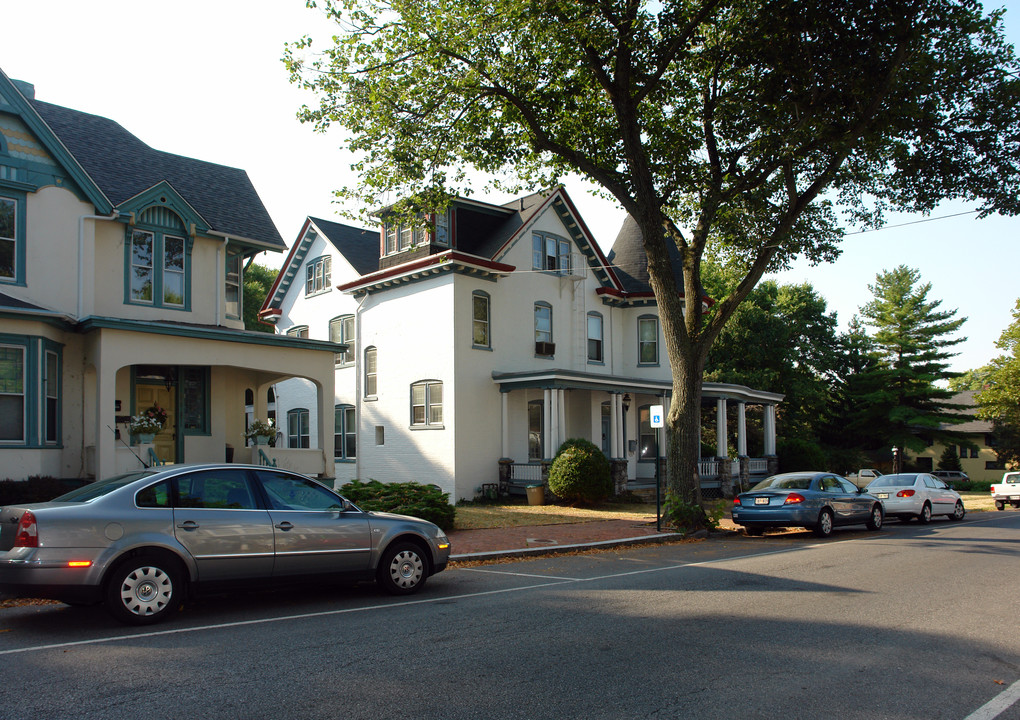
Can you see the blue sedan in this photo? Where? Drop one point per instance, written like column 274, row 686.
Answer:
column 816, row 500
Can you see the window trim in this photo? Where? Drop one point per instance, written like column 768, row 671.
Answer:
column 544, row 306
column 541, row 258
column 318, row 276
column 484, row 296
column 299, row 413
column 427, row 422
column 372, row 375
column 18, row 200
column 655, row 320
column 345, row 456
column 237, row 284
column 601, row 359
column 343, row 359
column 35, row 351
column 158, row 232
column 296, row 331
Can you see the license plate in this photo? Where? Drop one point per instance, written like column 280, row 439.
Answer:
column 761, row 501
column 882, row 496
column 1014, row 497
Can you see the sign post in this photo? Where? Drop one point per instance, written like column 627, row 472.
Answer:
column 657, row 421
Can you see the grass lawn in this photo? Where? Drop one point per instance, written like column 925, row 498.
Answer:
column 515, row 514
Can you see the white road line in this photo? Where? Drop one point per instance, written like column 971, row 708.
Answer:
column 516, row 574
column 997, row 705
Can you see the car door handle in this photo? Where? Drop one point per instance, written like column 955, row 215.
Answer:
column 285, row 525
column 188, row 525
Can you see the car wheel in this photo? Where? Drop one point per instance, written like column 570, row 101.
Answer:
column 1016, row 505
column 144, row 589
column 875, row 521
column 959, row 511
column 403, row 569
column 925, row 515
column 1000, row 505
column 823, row 528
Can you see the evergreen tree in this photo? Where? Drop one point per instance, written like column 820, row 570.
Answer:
column 949, row 459
column 913, row 338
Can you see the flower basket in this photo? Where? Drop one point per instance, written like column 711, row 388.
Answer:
column 261, row 432
column 150, row 422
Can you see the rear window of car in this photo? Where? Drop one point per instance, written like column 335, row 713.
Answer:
column 88, row 493
column 785, row 482
column 893, row 481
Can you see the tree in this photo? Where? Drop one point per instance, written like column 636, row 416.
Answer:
column 913, row 338
column 1000, row 400
column 745, row 125
column 949, row 460
column 258, row 281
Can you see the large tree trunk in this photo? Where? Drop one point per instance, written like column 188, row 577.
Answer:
column 683, row 433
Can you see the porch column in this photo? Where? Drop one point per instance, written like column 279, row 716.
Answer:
column 721, row 441
column 546, row 423
column 770, row 429
column 741, row 429
column 614, row 425
column 105, row 457
column 505, row 403
column 561, row 423
column 554, row 416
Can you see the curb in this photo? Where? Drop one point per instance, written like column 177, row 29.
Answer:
column 556, row 549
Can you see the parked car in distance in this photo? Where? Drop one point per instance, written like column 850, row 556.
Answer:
column 816, row 500
column 951, row 477
column 863, row 476
column 1007, row 491
column 917, row 495
column 142, row 542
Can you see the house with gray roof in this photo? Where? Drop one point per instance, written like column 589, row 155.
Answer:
column 479, row 339
column 121, row 288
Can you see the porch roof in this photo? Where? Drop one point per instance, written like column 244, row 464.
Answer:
column 578, row 380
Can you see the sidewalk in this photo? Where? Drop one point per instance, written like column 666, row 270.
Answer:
column 491, row 543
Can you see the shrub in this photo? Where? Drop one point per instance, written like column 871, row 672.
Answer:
column 427, row 502
column 580, row 473
column 797, row 454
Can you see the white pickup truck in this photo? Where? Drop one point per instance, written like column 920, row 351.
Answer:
column 863, row 477
column 1008, row 491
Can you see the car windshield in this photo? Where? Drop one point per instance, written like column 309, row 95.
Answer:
column 785, row 482
column 88, row 493
column 893, row 481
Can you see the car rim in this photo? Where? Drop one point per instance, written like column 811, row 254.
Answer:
column 146, row 590
column 406, row 569
column 958, row 513
column 876, row 518
column 826, row 523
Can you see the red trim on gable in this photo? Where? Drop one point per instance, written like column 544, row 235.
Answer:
column 591, row 239
column 438, row 259
column 286, row 263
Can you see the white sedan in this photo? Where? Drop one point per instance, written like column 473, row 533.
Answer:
column 917, row 495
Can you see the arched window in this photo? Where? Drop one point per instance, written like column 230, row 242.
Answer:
column 159, row 260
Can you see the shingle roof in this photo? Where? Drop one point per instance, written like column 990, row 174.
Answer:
column 359, row 246
column 123, row 166
column 631, row 263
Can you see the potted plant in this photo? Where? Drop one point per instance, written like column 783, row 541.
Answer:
column 261, row 432
column 145, row 426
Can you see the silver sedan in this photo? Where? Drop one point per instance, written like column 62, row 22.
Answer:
column 142, row 542
column 917, row 495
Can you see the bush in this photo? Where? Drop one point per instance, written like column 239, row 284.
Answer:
column 973, row 485
column 427, row 502
column 580, row 473
column 35, row 489
column 797, row 454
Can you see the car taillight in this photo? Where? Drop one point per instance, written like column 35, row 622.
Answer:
column 793, row 499
column 905, row 493
column 28, row 531
column 736, row 500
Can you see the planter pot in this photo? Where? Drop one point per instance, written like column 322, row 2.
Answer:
column 262, row 439
column 145, row 438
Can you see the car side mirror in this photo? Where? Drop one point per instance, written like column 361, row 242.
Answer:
column 348, row 505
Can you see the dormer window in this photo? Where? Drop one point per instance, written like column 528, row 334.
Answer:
column 407, row 233
column 158, row 261
column 549, row 252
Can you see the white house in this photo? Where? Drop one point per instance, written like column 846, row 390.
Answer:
column 121, row 277
column 480, row 340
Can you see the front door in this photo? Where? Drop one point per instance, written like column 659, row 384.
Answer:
column 165, row 442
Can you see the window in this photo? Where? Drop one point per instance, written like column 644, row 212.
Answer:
column 442, row 231
column 404, row 234
column 370, row 372
column 298, row 331
column 550, row 252
column 341, row 330
column 594, row 337
column 297, row 428
column 232, row 283
column 535, row 420
column 51, row 397
column 648, row 341
column 344, row 433
column 12, row 393
column 10, row 249
column 427, row 403
column 290, row 492
column 648, row 437
column 214, row 490
column 317, row 274
column 158, row 260
column 480, row 320
column 543, row 323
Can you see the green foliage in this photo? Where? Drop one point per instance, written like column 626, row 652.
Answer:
column 797, row 454
column 999, row 400
column 258, row 280
column 34, row 489
column 685, row 517
column 949, row 460
column 422, row 501
column 580, row 473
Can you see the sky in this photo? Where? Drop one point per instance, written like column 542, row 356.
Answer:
column 203, row 78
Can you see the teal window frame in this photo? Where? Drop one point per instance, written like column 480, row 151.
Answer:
column 160, row 272
column 345, row 443
column 16, row 201
column 298, row 428
column 40, row 387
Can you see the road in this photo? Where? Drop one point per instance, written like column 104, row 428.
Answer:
column 909, row 622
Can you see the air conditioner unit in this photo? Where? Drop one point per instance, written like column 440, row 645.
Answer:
column 545, row 348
